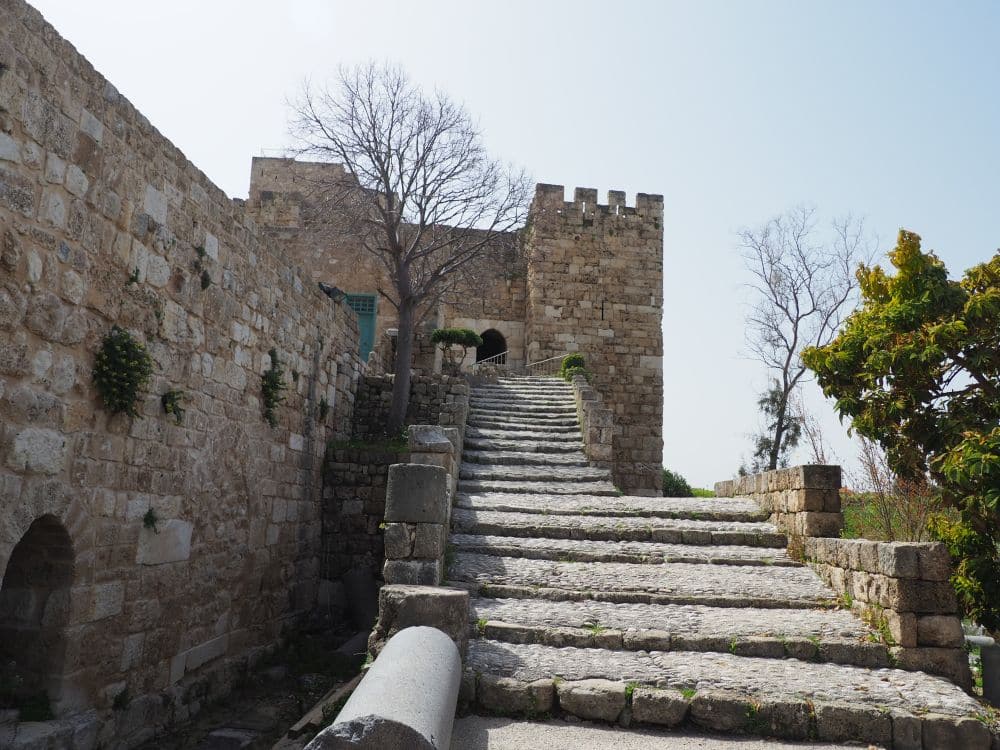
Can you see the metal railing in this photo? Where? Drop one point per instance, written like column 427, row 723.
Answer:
column 544, row 367
column 499, row 361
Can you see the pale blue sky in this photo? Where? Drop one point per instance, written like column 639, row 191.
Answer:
column 734, row 111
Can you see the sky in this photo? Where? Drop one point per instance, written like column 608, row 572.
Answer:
column 734, row 111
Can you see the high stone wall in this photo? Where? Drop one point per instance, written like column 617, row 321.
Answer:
column 595, row 285
column 103, row 221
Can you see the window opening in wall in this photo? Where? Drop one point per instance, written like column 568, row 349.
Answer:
column 366, row 308
column 34, row 609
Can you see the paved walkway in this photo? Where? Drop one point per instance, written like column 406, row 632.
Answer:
column 647, row 611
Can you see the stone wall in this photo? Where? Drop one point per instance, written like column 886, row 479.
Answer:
column 194, row 544
column 596, row 423
column 595, row 285
column 903, row 590
column 434, row 399
column 802, row 500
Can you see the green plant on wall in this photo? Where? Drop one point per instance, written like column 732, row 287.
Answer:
column 324, row 409
column 171, row 401
column 271, row 388
column 121, row 370
column 573, row 364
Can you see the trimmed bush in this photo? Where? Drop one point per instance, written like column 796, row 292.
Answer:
column 674, row 485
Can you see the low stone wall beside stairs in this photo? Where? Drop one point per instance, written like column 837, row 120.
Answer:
column 596, row 423
column 901, row 589
column 802, row 500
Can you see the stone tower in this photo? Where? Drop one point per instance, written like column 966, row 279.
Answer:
column 595, row 285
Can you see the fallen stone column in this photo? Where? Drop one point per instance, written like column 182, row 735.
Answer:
column 407, row 699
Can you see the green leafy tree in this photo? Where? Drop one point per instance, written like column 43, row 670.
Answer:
column 783, row 424
column 917, row 368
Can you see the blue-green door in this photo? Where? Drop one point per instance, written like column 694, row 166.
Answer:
column 365, row 306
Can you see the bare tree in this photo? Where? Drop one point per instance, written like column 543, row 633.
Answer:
column 803, row 287
column 815, row 439
column 420, row 194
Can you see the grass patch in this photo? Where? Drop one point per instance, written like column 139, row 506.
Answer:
column 702, row 492
column 387, row 443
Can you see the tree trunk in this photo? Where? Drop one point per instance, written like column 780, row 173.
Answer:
column 779, row 432
column 401, row 371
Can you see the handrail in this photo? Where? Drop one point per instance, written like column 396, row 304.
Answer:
column 497, row 360
column 543, row 367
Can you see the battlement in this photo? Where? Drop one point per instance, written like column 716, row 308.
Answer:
column 553, row 197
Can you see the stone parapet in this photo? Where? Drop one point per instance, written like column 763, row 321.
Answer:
column 596, row 423
column 803, row 500
column 901, row 589
column 434, row 399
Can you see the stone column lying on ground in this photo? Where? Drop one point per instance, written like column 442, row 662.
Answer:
column 406, row 701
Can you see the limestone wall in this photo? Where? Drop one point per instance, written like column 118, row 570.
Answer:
column 102, row 222
column 434, row 399
column 595, row 285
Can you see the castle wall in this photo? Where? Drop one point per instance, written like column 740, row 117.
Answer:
column 595, row 285
column 102, row 222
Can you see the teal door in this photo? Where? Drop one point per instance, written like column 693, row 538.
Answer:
column 365, row 306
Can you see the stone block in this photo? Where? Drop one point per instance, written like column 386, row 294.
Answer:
column 108, row 599
column 169, row 542
column 429, row 439
column 820, row 524
column 413, row 572
column 950, row 732
column 815, row 476
column 429, row 541
column 902, row 627
column 397, row 541
column 786, row 719
column 654, row 706
column 720, row 710
column 898, row 560
column 940, row 630
column 416, row 494
column 206, row 652
column 912, row 595
column 402, row 606
column 38, row 451
column 510, row 697
column 841, row 723
column 952, row 663
column 907, row 733
column 600, row 700
column 935, row 563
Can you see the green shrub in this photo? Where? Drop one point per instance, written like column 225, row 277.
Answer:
column 573, row 364
column 447, row 338
column 569, row 372
column 674, row 485
column 121, row 370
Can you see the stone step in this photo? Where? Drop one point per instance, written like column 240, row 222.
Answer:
column 771, row 587
column 480, row 417
column 558, row 399
column 714, row 509
column 654, row 553
column 533, row 488
column 786, row 698
column 811, row 635
column 540, row 391
column 557, row 444
column 481, row 472
column 532, row 432
column 614, row 529
column 521, row 407
column 523, row 458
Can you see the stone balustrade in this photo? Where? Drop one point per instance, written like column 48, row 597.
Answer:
column 900, row 589
column 596, row 423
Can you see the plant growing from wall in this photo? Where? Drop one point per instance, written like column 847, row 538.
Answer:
column 171, row 401
column 271, row 388
column 573, row 364
column 121, row 370
column 324, row 409
column 150, row 519
column 448, row 338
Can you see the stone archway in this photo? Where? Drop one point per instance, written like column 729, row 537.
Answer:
column 34, row 611
column 494, row 343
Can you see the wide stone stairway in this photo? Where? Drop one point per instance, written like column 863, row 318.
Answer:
column 658, row 611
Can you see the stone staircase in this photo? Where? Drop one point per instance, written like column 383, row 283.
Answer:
column 658, row 611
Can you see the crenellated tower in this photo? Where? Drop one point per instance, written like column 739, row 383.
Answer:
column 595, row 285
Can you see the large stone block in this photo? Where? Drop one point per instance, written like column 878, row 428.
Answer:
column 602, row 700
column 169, row 541
column 416, row 494
column 412, row 572
column 429, row 439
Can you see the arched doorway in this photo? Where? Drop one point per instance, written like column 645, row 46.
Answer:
column 34, row 607
column 493, row 344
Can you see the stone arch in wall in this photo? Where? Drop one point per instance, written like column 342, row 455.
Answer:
column 494, row 343
column 34, row 612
